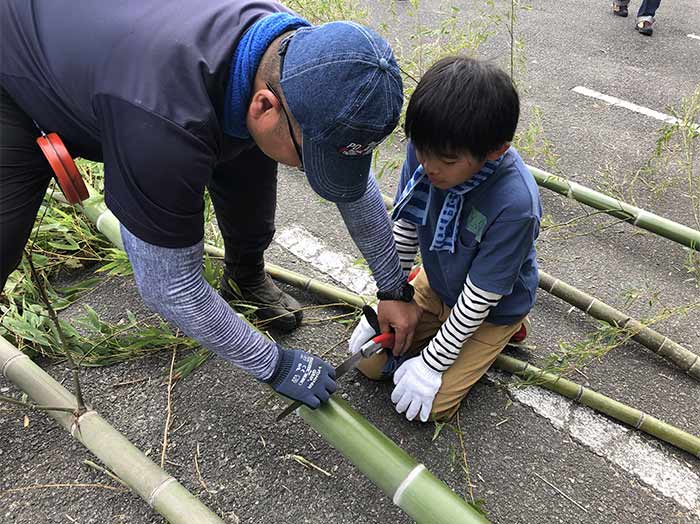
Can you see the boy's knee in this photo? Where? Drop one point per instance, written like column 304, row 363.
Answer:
column 372, row 368
column 445, row 414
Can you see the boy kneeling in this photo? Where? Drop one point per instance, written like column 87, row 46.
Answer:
column 467, row 200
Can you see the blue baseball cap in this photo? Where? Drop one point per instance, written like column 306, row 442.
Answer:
column 342, row 84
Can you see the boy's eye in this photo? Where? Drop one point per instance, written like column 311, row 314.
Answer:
column 449, row 161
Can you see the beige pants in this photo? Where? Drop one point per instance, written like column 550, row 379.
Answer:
column 478, row 353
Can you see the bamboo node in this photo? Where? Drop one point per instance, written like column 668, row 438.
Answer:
column 694, row 369
column 642, row 418
column 405, row 483
column 98, row 222
column 156, row 491
column 76, row 423
column 579, row 393
column 12, row 359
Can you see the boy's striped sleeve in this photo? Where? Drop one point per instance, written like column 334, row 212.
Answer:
column 406, row 239
column 467, row 315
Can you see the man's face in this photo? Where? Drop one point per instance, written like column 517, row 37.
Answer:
column 445, row 172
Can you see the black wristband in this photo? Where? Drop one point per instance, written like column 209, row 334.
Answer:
column 403, row 293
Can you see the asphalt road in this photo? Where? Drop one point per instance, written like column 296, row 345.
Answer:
column 532, row 457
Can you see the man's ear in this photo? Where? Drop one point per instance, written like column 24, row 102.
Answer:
column 493, row 155
column 263, row 105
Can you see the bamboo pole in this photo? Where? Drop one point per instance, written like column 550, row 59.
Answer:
column 410, row 485
column 664, row 227
column 413, row 488
column 617, row 410
column 598, row 402
column 658, row 343
column 161, row 491
column 679, row 356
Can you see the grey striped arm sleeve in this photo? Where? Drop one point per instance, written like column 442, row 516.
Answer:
column 406, row 240
column 369, row 226
column 171, row 283
column 472, row 307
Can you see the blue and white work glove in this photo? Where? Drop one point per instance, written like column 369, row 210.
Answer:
column 303, row 377
column 362, row 333
column 416, row 387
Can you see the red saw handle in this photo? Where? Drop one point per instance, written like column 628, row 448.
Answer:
column 386, row 340
column 67, row 174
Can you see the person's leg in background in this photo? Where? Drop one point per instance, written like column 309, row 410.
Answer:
column 645, row 16
column 619, row 7
column 24, row 176
column 244, row 194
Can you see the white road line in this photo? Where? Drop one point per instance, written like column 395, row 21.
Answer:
column 618, row 102
column 304, row 245
column 691, row 35
column 615, row 443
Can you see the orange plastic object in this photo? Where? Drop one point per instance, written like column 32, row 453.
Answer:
column 67, row 174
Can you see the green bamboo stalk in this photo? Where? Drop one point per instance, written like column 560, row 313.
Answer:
column 412, row 487
column 613, row 408
column 423, row 497
column 659, row 225
column 161, row 491
column 617, row 410
column 673, row 352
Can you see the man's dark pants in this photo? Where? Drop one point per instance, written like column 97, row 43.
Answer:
column 243, row 191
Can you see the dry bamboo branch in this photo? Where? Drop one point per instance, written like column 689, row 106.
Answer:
column 168, row 417
column 61, row 335
column 663, row 346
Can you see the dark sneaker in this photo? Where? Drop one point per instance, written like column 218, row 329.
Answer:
column 620, row 10
column 644, row 26
column 279, row 310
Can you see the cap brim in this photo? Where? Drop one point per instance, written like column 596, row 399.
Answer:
column 333, row 176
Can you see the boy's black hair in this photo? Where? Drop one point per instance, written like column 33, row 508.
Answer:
column 462, row 105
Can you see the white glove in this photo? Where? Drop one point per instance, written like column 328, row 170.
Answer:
column 362, row 333
column 416, row 387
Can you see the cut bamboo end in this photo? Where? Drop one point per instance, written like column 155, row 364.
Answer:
column 161, row 491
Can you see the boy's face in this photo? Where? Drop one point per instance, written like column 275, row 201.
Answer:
column 447, row 172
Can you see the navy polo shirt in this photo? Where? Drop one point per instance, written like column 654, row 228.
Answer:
column 139, row 85
column 495, row 243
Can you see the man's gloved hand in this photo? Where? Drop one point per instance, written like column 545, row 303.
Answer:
column 416, row 387
column 303, row 377
column 363, row 332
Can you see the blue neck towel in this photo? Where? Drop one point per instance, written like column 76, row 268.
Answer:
column 414, row 202
column 245, row 63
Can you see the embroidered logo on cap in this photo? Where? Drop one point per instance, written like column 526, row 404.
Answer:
column 353, row 149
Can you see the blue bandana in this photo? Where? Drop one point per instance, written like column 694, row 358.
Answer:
column 245, row 63
column 414, row 202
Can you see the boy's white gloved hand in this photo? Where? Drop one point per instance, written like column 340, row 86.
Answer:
column 416, row 387
column 362, row 333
